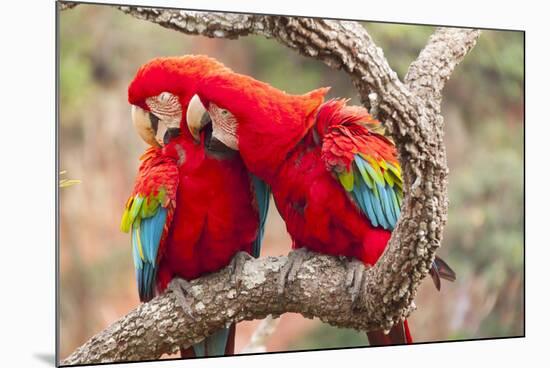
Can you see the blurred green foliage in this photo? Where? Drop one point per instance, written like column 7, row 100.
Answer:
column 327, row 336
column 101, row 48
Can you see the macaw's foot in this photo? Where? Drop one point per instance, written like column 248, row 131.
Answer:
column 182, row 290
column 237, row 264
column 292, row 266
column 355, row 278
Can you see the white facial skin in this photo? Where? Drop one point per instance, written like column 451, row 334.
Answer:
column 166, row 108
column 224, row 126
column 224, row 123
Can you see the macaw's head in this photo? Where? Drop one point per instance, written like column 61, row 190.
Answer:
column 263, row 123
column 160, row 93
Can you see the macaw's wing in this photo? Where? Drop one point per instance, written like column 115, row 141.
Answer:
column 262, row 192
column 364, row 161
column 148, row 215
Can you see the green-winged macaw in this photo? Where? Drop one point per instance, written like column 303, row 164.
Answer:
column 193, row 210
column 334, row 176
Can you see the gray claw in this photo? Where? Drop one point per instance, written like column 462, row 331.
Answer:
column 354, row 279
column 237, row 264
column 182, row 290
column 292, row 266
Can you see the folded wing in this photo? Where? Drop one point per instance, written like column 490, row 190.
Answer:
column 364, row 161
column 148, row 216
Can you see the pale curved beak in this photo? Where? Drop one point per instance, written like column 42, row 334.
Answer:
column 143, row 125
column 197, row 117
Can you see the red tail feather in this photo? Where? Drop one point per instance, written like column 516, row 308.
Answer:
column 399, row 334
column 407, row 332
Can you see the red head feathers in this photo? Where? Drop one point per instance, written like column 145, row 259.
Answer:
column 177, row 75
column 269, row 122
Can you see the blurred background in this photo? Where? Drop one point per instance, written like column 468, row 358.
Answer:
column 101, row 49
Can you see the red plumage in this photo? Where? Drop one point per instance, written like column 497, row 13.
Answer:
column 298, row 145
column 212, row 211
column 277, row 142
column 157, row 171
column 178, row 75
column 318, row 212
column 215, row 214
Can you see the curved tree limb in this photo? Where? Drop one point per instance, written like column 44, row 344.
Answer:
column 160, row 326
column 427, row 75
column 411, row 112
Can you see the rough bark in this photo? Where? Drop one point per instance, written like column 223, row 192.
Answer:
column 66, row 5
column 411, row 112
column 160, row 326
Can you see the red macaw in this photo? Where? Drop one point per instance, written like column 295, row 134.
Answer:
column 335, row 177
column 193, row 210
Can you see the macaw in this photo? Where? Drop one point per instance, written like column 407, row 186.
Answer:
column 193, row 210
column 335, row 178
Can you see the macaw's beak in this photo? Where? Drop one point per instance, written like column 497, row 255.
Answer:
column 146, row 125
column 149, row 129
column 197, row 117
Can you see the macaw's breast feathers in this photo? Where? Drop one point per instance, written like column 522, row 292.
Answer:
column 364, row 161
column 148, row 215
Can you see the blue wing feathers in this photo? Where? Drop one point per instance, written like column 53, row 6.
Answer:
column 376, row 197
column 363, row 171
column 149, row 230
column 152, row 228
column 377, row 204
column 138, row 264
column 394, row 205
column 262, row 193
column 362, row 195
column 383, row 190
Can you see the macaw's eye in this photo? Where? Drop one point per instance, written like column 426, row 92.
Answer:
column 224, row 112
column 165, row 96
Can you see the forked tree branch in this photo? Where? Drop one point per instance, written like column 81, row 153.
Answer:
column 411, row 112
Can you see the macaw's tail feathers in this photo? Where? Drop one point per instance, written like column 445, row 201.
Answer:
column 408, row 335
column 221, row 342
column 399, row 334
column 146, row 282
column 441, row 270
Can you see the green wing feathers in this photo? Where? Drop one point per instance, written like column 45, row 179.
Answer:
column 148, row 215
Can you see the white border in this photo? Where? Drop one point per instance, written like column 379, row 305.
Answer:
column 27, row 181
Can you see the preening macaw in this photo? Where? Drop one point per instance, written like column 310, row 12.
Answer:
column 335, row 177
column 193, row 210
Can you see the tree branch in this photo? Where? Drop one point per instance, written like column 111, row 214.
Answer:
column 411, row 112
column 433, row 67
column 66, row 5
column 160, row 326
